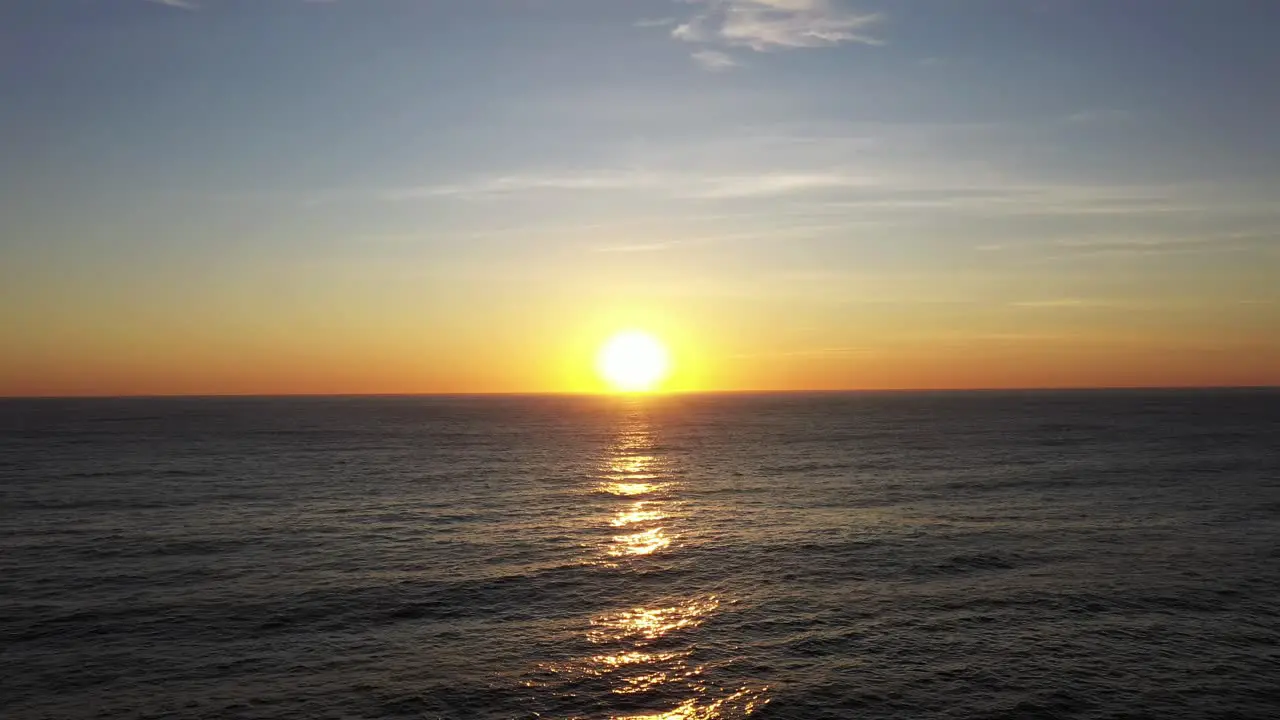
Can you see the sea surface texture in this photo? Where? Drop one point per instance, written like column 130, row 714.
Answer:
column 907, row 556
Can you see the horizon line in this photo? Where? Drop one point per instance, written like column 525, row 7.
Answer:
column 674, row 393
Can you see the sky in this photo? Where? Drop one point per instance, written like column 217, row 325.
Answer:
column 404, row 196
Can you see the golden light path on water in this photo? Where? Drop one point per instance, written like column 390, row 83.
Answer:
column 637, row 513
column 646, row 487
column 633, row 471
column 747, row 701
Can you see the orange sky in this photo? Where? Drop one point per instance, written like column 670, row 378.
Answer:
column 741, row 355
column 458, row 212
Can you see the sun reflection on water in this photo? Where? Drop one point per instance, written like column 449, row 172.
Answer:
column 644, row 623
column 647, row 652
column 630, row 470
column 637, row 513
column 741, row 703
column 642, row 543
column 631, row 464
column 628, row 488
column 636, row 658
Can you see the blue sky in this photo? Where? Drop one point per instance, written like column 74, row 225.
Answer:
column 1035, row 168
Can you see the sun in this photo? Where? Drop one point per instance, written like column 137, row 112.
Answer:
column 633, row 361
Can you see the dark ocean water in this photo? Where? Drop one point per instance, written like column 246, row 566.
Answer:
column 1024, row 555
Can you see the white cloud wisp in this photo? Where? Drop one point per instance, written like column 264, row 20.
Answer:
column 767, row 25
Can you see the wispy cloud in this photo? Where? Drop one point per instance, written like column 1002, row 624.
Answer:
column 832, row 352
column 551, row 182
column 1228, row 242
column 817, row 353
column 714, row 60
column 845, row 195
column 655, row 22
column 1011, row 199
column 637, row 247
column 1124, row 246
column 786, row 234
column 771, row 184
column 677, row 185
column 193, row 5
column 764, row 25
column 1065, row 303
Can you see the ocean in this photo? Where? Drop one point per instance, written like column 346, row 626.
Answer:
column 1101, row 554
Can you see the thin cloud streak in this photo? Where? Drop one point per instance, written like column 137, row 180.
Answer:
column 672, row 184
column 1064, row 303
column 1111, row 247
column 519, row 184
column 813, row 353
column 773, row 184
column 655, row 22
column 714, row 60
column 791, row 233
column 638, row 247
column 862, row 194
column 766, row 25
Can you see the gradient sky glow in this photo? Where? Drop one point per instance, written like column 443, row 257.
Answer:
column 291, row 196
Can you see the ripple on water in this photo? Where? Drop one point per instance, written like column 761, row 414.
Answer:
column 822, row 558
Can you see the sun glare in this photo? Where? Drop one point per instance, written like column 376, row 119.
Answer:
column 634, row 361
